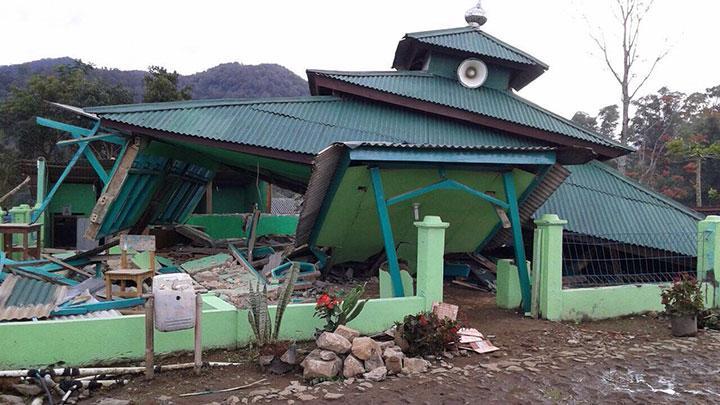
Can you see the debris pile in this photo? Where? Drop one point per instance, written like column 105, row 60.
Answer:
column 345, row 353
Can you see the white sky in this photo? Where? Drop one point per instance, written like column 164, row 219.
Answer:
column 191, row 36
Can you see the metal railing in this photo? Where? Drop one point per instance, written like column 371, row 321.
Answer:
column 620, row 259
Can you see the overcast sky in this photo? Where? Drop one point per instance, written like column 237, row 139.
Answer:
column 362, row 35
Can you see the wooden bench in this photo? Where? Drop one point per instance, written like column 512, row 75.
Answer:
column 139, row 243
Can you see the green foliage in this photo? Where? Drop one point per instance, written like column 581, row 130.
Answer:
column 426, row 334
column 161, row 85
column 258, row 314
column 684, row 297
column 337, row 310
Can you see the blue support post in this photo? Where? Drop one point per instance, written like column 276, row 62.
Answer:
column 520, row 262
column 386, row 229
column 36, row 214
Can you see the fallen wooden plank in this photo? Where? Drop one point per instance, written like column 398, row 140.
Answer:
column 65, row 265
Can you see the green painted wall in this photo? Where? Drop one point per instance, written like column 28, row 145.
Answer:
column 222, row 226
column 231, row 199
column 80, row 197
column 353, row 213
column 96, row 341
column 446, row 66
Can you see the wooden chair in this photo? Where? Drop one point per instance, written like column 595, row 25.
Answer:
column 139, row 243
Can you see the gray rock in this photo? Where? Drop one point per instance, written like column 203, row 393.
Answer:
column 393, row 352
column 364, row 347
column 393, row 365
column 113, row 401
column 315, row 367
column 232, row 400
column 412, row 365
column 377, row 375
column 374, row 361
column 352, row 367
column 29, row 390
column 331, row 396
column 11, row 400
column 366, row 384
column 265, row 360
column 167, row 400
column 348, row 333
column 290, row 356
column 333, row 342
column 305, row 397
column 327, row 355
column 386, row 345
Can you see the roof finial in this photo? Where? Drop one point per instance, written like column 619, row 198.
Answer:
column 475, row 17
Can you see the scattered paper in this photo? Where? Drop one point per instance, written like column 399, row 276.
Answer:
column 472, row 339
column 444, row 310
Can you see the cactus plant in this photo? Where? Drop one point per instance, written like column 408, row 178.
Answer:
column 258, row 314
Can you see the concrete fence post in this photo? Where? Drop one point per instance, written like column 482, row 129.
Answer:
column 548, row 265
column 430, row 252
column 708, row 258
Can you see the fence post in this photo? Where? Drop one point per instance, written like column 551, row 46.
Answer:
column 708, row 261
column 430, row 252
column 549, row 265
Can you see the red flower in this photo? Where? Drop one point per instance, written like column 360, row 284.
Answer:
column 323, row 300
column 422, row 320
column 332, row 303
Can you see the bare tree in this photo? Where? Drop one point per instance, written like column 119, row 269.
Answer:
column 630, row 15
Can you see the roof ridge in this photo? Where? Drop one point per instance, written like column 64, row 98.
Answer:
column 652, row 193
column 419, row 73
column 205, row 103
column 440, row 32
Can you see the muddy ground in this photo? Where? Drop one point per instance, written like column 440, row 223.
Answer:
column 628, row 360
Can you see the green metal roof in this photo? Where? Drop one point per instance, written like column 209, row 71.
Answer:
column 598, row 201
column 499, row 104
column 306, row 124
column 475, row 41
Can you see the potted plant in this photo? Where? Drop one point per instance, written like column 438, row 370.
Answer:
column 683, row 301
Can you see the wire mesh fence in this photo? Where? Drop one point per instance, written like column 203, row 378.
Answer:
column 627, row 258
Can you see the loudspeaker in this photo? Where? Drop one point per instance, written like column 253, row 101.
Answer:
column 472, row 73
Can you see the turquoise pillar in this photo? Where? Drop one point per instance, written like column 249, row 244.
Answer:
column 518, row 244
column 430, row 259
column 387, row 234
column 708, row 258
column 548, row 266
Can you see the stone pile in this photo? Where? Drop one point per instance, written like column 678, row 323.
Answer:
column 346, row 353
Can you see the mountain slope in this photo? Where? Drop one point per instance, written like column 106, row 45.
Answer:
column 227, row 80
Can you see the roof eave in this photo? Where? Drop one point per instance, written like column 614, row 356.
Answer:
column 323, row 83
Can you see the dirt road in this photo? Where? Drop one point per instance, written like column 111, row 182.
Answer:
column 621, row 361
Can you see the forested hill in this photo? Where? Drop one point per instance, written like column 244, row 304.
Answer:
column 227, row 80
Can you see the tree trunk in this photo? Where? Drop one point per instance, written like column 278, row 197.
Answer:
column 698, row 182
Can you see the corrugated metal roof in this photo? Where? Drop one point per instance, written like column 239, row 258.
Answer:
column 306, row 124
column 499, row 104
column 475, row 41
column 27, row 298
column 393, row 145
column 598, row 201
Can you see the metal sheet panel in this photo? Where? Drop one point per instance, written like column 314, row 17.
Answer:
column 306, row 124
column 26, row 298
column 598, row 201
column 475, row 41
column 485, row 101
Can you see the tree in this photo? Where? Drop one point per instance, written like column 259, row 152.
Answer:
column 608, row 120
column 697, row 149
column 631, row 14
column 68, row 85
column 23, row 138
column 161, row 85
column 585, row 120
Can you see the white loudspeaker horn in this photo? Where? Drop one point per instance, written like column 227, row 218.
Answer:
column 472, row 73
